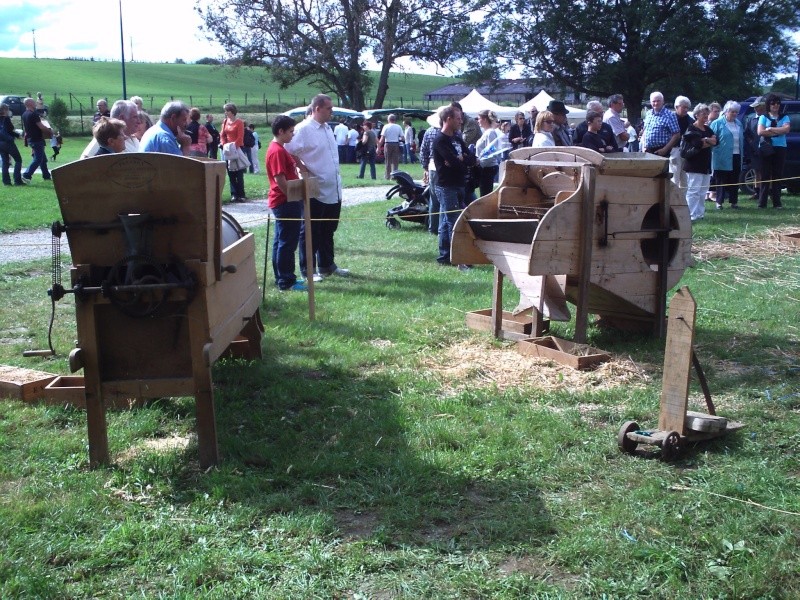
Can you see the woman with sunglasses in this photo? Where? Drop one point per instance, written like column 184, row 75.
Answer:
column 543, row 136
column 773, row 127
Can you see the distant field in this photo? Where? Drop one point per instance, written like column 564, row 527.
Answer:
column 81, row 83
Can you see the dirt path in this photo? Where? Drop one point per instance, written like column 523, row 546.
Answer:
column 34, row 244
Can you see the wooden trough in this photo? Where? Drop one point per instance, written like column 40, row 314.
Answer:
column 159, row 296
column 609, row 234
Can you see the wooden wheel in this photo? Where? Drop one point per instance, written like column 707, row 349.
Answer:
column 627, row 445
column 671, row 446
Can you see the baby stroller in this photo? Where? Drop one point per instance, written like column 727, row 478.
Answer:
column 415, row 201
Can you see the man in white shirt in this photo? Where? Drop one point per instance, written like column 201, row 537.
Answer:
column 340, row 133
column 613, row 117
column 352, row 142
column 127, row 111
column 390, row 140
column 316, row 152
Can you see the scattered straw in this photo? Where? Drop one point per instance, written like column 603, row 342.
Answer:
column 767, row 244
column 478, row 363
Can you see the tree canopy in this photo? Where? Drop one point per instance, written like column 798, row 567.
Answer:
column 710, row 49
column 326, row 42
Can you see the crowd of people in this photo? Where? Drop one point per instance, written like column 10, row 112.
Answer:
column 460, row 156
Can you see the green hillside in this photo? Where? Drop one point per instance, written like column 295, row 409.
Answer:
column 205, row 86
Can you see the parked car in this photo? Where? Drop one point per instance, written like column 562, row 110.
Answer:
column 792, row 166
column 15, row 103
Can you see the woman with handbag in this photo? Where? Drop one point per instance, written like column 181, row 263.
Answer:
column 772, row 127
column 695, row 150
column 232, row 132
column 726, row 157
column 488, row 149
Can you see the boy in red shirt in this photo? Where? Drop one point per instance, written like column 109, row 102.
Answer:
column 282, row 168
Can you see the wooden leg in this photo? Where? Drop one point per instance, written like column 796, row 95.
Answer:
column 97, row 428
column 538, row 322
column 203, row 387
column 497, row 303
column 585, row 250
column 252, row 331
column 206, row 420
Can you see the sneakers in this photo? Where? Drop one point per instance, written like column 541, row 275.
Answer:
column 719, row 206
column 337, row 271
column 463, row 268
column 734, row 207
column 26, row 180
column 299, row 286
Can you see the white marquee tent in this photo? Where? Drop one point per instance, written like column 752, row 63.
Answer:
column 473, row 103
column 542, row 99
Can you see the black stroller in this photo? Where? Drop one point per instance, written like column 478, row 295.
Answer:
column 415, row 201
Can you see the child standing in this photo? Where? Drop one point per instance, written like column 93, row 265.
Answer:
column 55, row 143
column 281, row 168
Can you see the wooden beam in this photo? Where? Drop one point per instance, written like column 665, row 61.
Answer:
column 585, row 253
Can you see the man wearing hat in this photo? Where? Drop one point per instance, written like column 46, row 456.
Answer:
column 751, row 137
column 561, row 133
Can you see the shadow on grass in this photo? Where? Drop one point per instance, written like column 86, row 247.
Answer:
column 332, row 442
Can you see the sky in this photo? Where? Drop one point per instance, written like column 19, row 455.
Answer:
column 90, row 29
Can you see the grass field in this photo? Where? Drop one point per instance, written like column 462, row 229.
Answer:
column 204, row 86
column 387, row 451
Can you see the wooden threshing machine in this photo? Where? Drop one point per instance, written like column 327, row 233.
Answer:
column 164, row 282
column 609, row 233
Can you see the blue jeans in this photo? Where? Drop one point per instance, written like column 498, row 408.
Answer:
column 324, row 222
column 408, row 154
column 367, row 156
column 450, row 200
column 433, row 203
column 9, row 150
column 287, row 236
column 39, row 161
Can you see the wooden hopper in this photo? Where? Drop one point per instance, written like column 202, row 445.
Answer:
column 156, row 306
column 608, row 233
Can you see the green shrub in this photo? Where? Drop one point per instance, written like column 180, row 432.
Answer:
column 57, row 114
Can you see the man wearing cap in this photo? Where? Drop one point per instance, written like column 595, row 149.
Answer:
column 661, row 129
column 561, row 133
column 751, row 138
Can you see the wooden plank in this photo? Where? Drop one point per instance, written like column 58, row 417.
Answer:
column 577, row 356
column 585, row 254
column 677, row 362
column 497, row 302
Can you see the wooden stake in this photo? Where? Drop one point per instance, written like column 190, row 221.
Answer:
column 585, row 250
column 309, row 251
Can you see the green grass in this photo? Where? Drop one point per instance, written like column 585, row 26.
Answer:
column 360, row 461
column 205, row 86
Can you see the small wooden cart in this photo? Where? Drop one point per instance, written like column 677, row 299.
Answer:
column 678, row 426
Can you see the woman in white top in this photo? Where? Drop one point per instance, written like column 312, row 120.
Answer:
column 543, row 130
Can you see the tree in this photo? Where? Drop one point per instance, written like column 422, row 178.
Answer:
column 703, row 49
column 785, row 85
column 325, row 42
column 57, row 114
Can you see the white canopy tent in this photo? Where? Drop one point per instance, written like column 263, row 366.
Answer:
column 474, row 102
column 542, row 99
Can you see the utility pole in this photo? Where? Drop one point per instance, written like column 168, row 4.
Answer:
column 33, row 32
column 122, row 50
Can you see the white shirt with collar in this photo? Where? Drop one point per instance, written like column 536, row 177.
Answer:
column 314, row 144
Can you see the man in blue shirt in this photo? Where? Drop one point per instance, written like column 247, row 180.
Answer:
column 661, row 129
column 167, row 135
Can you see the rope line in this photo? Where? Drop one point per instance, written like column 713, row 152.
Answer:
column 683, row 488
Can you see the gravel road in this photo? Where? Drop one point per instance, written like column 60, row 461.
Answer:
column 33, row 244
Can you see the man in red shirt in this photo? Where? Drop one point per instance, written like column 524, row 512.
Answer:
column 281, row 168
